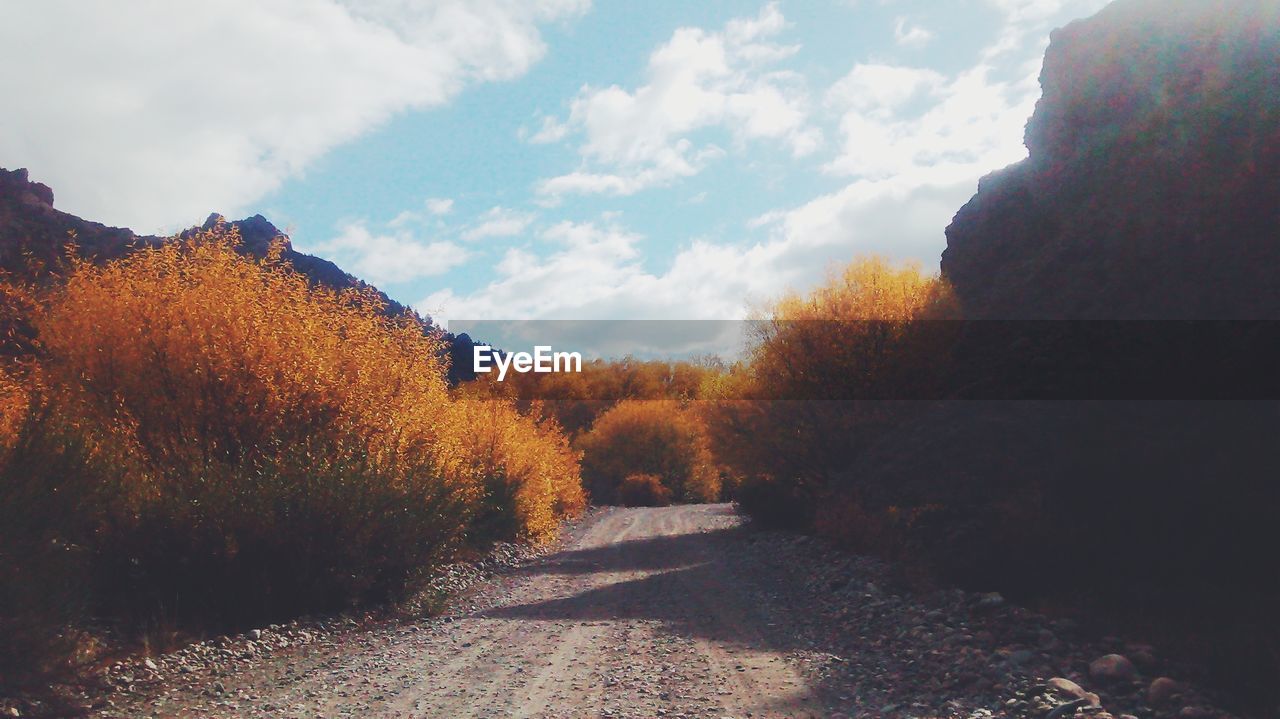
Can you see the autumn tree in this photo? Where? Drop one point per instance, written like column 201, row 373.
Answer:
column 829, row 372
column 661, row 438
column 226, row 442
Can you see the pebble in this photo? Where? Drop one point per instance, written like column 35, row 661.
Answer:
column 848, row 623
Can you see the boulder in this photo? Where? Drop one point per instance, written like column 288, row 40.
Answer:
column 1162, row 691
column 1112, row 667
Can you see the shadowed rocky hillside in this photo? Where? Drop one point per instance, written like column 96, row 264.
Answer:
column 30, row 227
column 1151, row 192
column 1154, row 171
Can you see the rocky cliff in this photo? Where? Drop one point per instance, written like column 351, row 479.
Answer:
column 31, row 229
column 1152, row 187
column 1151, row 191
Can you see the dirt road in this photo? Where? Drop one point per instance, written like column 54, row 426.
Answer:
column 640, row 615
column 672, row 612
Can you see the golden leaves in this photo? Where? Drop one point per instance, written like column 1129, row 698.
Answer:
column 200, row 366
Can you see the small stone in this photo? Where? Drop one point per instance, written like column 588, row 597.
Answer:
column 1066, row 686
column 1162, row 691
column 255, row 634
column 1069, row 688
column 150, row 663
column 1112, row 667
column 990, row 600
column 12, row 712
column 1021, row 657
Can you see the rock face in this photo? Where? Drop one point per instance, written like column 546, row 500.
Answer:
column 30, row 227
column 1151, row 191
column 1153, row 171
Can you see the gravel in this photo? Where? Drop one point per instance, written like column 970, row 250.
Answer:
column 667, row 612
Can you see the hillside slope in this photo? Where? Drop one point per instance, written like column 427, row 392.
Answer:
column 1151, row 187
column 31, row 228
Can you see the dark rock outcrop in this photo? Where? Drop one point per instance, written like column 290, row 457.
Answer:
column 1151, row 192
column 31, row 229
column 35, row 239
column 1152, row 187
column 257, row 235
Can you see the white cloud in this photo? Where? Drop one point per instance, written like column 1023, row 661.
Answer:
column 439, row 205
column 214, row 104
column 384, row 259
column 499, row 222
column 667, row 164
column 908, row 122
column 765, row 219
column 596, row 271
column 899, row 120
column 405, row 217
column 1026, row 23
column 589, row 265
column 435, row 207
column 908, row 35
column 1025, row 12
column 635, row 139
column 914, row 142
column 551, row 130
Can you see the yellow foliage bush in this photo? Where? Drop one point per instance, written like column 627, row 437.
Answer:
column 14, row 402
column 658, row 437
column 245, row 444
column 828, row 374
column 643, row 490
column 864, row 334
column 577, row 399
column 528, row 470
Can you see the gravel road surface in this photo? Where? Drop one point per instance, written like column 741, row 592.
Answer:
column 672, row 612
column 639, row 615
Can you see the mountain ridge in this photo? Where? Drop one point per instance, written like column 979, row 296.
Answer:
column 32, row 228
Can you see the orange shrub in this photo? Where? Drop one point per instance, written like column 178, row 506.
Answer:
column 870, row 331
column 814, row 391
column 657, row 437
column 529, row 473
column 643, row 490
column 249, row 445
column 15, row 398
column 577, row 399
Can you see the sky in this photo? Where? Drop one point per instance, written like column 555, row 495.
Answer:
column 534, row 159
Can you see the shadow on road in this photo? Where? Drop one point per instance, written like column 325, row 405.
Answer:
column 661, row 553
column 743, row 589
column 691, row 582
